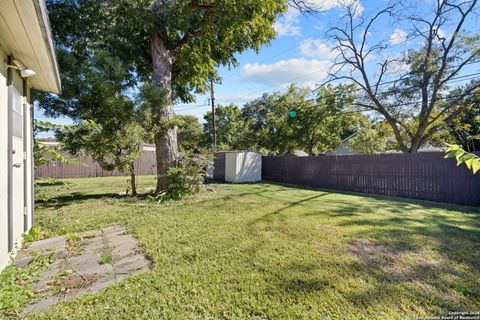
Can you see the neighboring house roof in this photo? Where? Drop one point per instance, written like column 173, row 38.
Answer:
column 25, row 34
column 299, row 153
column 346, row 149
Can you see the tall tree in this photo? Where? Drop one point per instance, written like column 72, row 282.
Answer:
column 174, row 44
column 190, row 133
column 371, row 137
column 319, row 125
column 255, row 115
column 465, row 129
column 230, row 127
column 283, row 122
column 413, row 103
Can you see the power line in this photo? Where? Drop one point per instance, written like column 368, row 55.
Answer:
column 466, row 77
column 366, row 97
column 397, row 80
column 192, row 107
column 188, row 106
column 307, row 74
column 267, row 59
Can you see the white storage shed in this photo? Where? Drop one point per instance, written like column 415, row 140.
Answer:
column 243, row 166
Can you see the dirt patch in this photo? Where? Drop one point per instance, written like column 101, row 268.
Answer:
column 393, row 264
column 370, row 253
column 77, row 281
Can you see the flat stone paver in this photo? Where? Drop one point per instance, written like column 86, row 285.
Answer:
column 90, row 262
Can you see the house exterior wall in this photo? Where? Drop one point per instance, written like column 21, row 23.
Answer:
column 3, row 164
column 21, row 190
column 17, row 189
column 26, row 40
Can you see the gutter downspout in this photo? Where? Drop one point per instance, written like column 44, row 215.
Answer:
column 32, row 161
column 25, row 171
column 9, row 155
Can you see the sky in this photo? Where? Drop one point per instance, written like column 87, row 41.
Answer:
column 301, row 53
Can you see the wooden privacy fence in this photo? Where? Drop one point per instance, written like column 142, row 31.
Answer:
column 426, row 176
column 87, row 168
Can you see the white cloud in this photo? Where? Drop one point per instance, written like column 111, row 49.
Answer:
column 325, row 5
column 288, row 24
column 238, row 98
column 441, row 33
column 316, row 48
column 398, row 36
column 398, row 67
column 298, row 70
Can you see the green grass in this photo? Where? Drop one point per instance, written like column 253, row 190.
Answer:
column 265, row 251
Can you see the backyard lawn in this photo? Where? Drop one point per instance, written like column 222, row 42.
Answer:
column 267, row 251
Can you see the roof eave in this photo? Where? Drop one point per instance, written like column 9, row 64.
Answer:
column 42, row 15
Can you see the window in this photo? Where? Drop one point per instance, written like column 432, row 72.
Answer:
column 17, row 119
column 16, row 101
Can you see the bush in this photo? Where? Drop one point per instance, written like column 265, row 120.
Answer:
column 185, row 178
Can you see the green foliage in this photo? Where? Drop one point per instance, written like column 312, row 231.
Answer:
column 199, row 37
column 317, row 125
column 16, row 286
column 109, row 124
column 370, row 137
column 190, row 135
column 41, row 196
column 283, row 122
column 230, row 127
column 176, row 44
column 185, row 178
column 465, row 128
column 106, row 258
column 36, row 233
column 470, row 160
column 110, row 148
column 42, row 153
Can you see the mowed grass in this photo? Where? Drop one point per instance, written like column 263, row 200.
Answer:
column 266, row 251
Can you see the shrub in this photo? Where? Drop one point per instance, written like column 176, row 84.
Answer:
column 185, row 178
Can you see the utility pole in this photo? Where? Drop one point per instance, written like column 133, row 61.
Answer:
column 214, row 127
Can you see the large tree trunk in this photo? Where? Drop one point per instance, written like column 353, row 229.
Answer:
column 165, row 143
column 419, row 136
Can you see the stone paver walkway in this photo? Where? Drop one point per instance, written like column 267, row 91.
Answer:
column 86, row 263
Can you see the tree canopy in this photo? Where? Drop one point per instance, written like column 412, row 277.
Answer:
column 176, row 45
column 410, row 91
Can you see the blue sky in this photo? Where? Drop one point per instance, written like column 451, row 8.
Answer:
column 300, row 54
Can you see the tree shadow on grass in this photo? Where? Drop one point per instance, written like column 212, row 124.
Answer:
column 389, row 276
column 402, row 203
column 402, row 274
column 75, row 197
column 276, row 214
